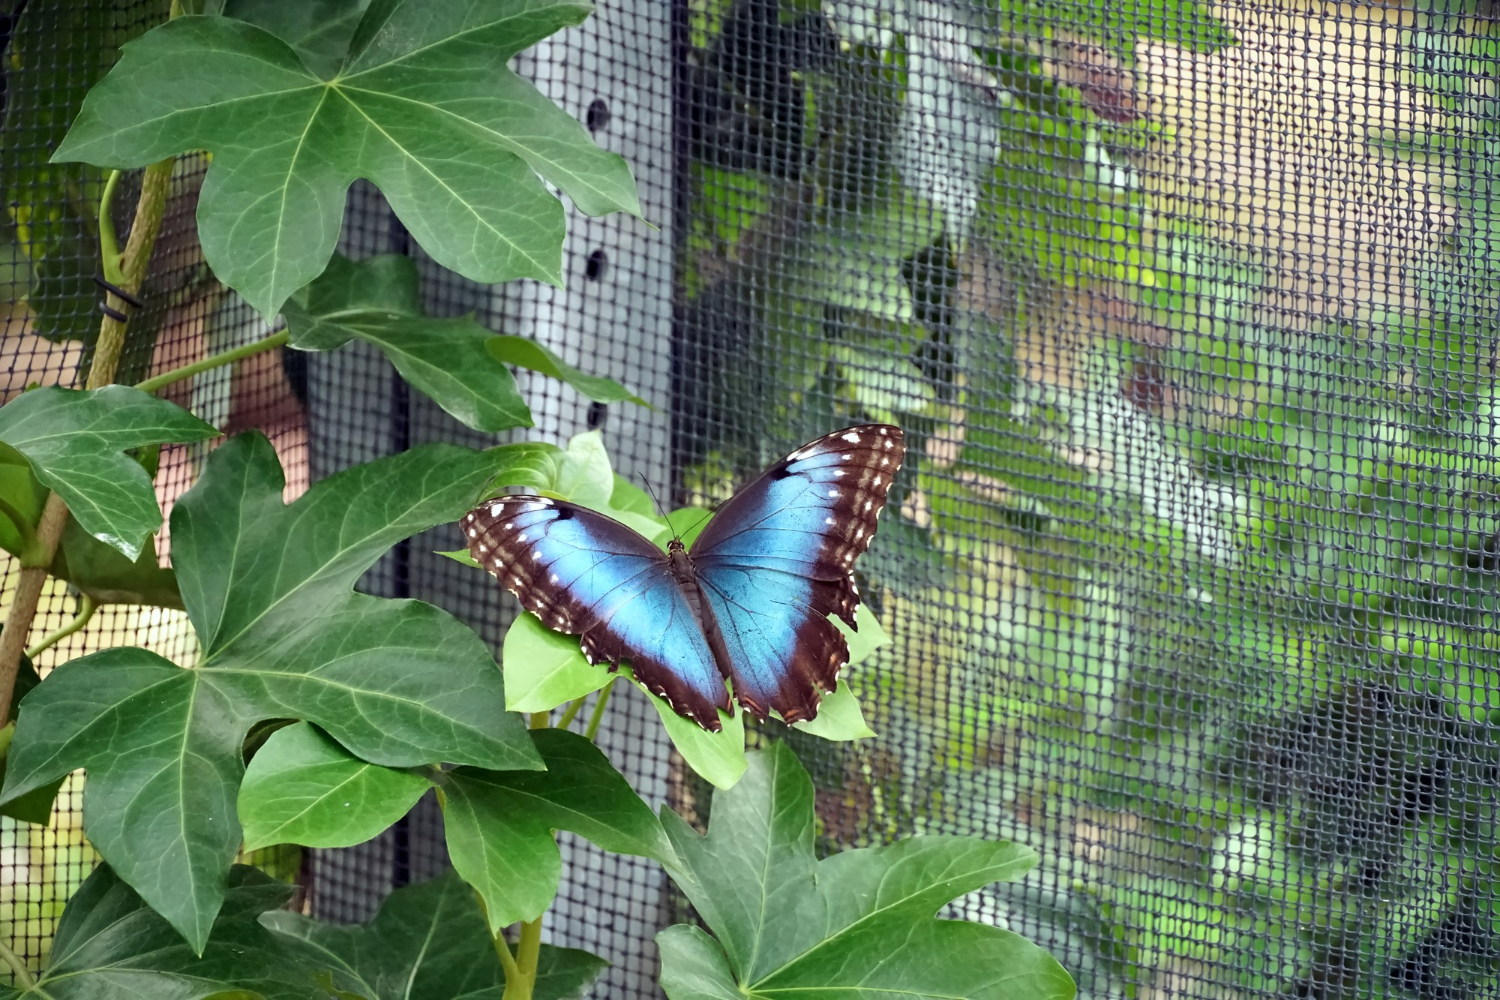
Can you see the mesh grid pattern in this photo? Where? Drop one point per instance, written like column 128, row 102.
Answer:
column 1189, row 316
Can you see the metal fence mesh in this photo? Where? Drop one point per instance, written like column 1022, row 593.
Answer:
column 1189, row 315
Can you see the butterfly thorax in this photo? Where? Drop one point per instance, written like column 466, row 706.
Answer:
column 687, row 579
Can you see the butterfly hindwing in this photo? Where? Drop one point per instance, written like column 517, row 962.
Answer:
column 778, row 558
column 587, row 574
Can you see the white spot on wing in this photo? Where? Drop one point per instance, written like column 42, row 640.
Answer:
column 851, row 437
column 833, row 493
column 483, row 548
column 828, row 520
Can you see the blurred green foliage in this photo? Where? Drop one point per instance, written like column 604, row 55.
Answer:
column 1229, row 664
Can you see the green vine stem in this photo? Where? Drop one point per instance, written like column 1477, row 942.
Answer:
column 213, row 361
column 156, row 182
column 568, row 716
column 86, row 609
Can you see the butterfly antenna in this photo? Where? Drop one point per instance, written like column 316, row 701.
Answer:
column 660, row 509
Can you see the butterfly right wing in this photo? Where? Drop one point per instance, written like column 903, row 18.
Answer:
column 589, row 575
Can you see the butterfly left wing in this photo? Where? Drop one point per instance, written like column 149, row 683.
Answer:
column 778, row 558
column 590, row 575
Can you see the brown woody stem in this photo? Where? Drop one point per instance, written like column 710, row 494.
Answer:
column 156, row 182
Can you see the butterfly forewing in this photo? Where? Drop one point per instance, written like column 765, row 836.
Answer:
column 778, row 558
column 587, row 574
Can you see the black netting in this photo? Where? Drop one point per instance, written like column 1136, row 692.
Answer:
column 1189, row 315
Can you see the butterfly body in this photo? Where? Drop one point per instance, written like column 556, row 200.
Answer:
column 749, row 602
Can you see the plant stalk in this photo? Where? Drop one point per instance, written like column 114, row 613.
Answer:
column 156, row 182
column 598, row 714
column 213, row 361
column 23, row 976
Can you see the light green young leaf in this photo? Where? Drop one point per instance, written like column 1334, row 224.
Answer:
column 428, row 940
column 545, row 669
column 269, row 590
column 75, row 439
column 839, row 717
column 499, row 823
column 718, row 758
column 529, row 464
column 585, row 475
column 378, row 301
column 303, row 788
column 860, row 924
column 423, row 103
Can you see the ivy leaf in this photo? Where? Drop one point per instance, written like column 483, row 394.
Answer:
column 860, row 924
column 75, row 439
column 525, row 353
column 268, row 590
column 303, row 788
column 428, row 941
column 111, row 946
column 499, row 823
column 378, row 301
column 423, row 104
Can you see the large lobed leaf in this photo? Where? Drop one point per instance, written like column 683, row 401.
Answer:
column 268, row 590
column 75, row 439
column 457, row 362
column 111, row 946
column 860, row 924
column 428, row 942
column 422, row 103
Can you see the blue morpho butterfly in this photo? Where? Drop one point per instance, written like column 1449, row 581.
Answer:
column 749, row 603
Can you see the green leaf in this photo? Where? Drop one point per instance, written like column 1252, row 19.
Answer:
column 525, row 353
column 378, row 301
column 110, row 946
column 74, row 440
column 499, row 823
column 718, row 758
column 860, row 924
column 839, row 717
column 303, row 788
column 427, row 941
column 565, row 973
column 268, row 590
column 317, row 30
column 87, row 563
column 423, row 104
column 36, row 806
column 585, row 476
column 545, row 669
column 530, row 464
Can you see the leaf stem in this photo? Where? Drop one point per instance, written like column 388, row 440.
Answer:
column 528, row 953
column 23, row 975
column 156, row 183
column 598, row 715
column 572, row 713
column 213, row 361
column 86, row 609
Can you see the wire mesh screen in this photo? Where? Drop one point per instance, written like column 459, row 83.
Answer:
column 1188, row 313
